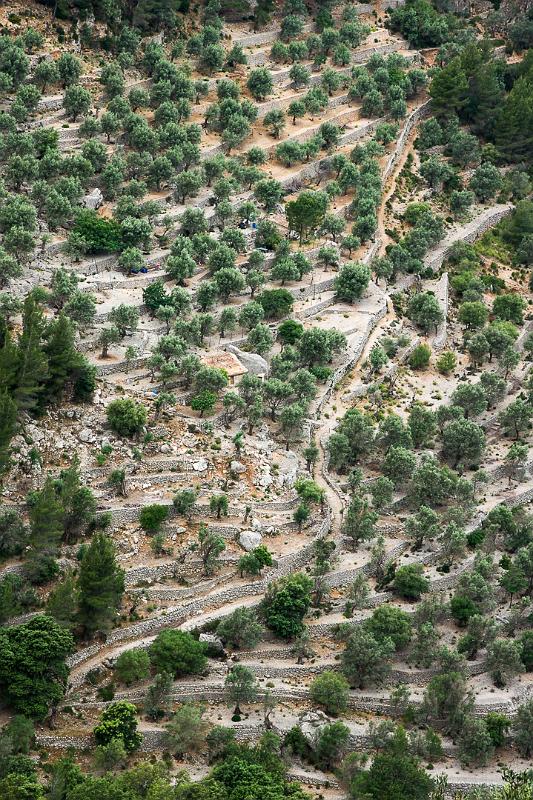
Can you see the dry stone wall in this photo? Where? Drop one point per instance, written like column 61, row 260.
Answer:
column 441, row 293
column 412, row 120
column 467, row 233
column 354, row 356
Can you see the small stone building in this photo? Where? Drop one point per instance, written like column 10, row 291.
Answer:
column 228, row 362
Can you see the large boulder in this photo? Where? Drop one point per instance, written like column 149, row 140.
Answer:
column 254, row 363
column 250, row 540
column 93, row 200
column 87, row 436
column 311, row 722
column 212, row 641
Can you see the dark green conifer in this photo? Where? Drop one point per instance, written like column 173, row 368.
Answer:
column 101, row 585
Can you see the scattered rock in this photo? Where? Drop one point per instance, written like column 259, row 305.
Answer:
column 200, row 465
column 237, row 467
column 311, row 722
column 265, row 480
column 86, row 435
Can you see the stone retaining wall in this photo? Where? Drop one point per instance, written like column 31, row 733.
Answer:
column 441, row 293
column 467, row 233
column 356, row 702
column 50, row 103
column 353, row 358
column 148, row 627
column 265, row 37
column 412, row 120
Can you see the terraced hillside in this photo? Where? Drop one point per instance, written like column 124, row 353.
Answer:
column 266, row 400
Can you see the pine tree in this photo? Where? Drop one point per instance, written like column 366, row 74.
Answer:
column 62, row 603
column 62, row 357
column 78, row 501
column 448, row 89
column 46, row 529
column 32, row 365
column 8, row 421
column 101, row 584
column 8, row 363
column 515, row 122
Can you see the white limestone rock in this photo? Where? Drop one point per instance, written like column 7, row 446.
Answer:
column 265, row 480
column 311, row 722
column 254, row 363
column 87, row 436
column 211, row 640
column 250, row 540
column 94, row 199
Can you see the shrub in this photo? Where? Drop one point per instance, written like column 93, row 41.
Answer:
column 152, row 517
column 132, row 665
column 446, row 362
column 419, row 358
column 99, row 235
column 177, row 653
column 330, row 690
column 118, row 722
column 410, row 582
column 125, row 416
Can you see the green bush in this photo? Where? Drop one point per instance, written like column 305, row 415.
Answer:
column 152, row 517
column 99, row 234
column 126, row 417
column 419, row 358
column 177, row 653
column 132, row 666
column 119, row 722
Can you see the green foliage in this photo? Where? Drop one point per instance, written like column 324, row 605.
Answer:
column 101, row 585
column 177, row 653
column 33, row 673
column 306, row 213
column 420, row 23
column 276, row 302
column 98, row 234
column 446, row 362
column 330, row 690
column 352, row 281
column 475, row 743
column 260, row 83
column 286, row 603
column 46, row 528
column 330, row 744
column 126, row 417
column 393, row 776
column 118, row 721
column 523, row 729
column 352, row 440
column 419, row 358
column 240, row 686
column 132, row 666
column 186, row 731
column 424, row 310
column 409, row 581
column 152, row 517
column 240, row 629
